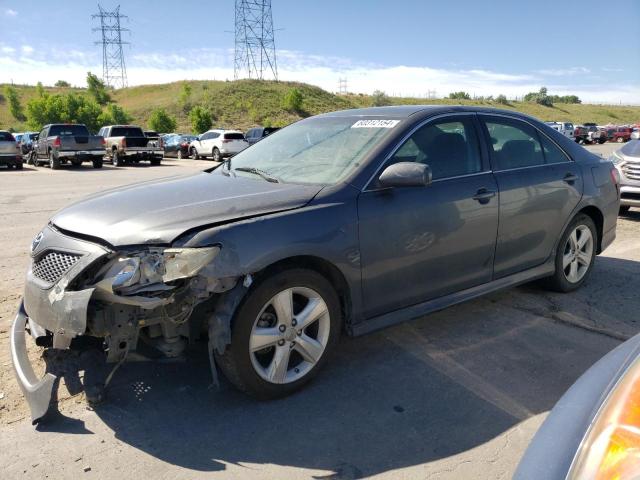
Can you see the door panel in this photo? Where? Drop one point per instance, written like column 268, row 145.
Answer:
column 536, row 197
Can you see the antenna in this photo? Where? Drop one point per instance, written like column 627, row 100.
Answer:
column 255, row 51
column 114, row 72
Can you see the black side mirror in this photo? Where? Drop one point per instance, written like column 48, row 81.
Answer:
column 406, row 174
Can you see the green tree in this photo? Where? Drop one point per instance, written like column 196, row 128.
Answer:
column 293, row 100
column 380, row 99
column 502, row 99
column 40, row 91
column 97, row 89
column 114, row 115
column 161, row 121
column 200, row 119
column 62, row 84
column 461, row 95
column 63, row 108
column 15, row 106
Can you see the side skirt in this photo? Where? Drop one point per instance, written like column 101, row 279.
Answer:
column 430, row 306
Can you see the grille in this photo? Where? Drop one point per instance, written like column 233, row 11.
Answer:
column 631, row 170
column 53, row 265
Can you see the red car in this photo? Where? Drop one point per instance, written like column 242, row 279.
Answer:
column 620, row 134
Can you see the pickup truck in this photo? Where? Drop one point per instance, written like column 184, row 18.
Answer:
column 61, row 143
column 10, row 154
column 128, row 143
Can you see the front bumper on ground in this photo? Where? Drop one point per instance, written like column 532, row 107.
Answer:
column 36, row 391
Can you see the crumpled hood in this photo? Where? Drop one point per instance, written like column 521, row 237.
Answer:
column 157, row 212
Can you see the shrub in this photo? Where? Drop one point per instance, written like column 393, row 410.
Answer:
column 63, row 108
column 62, row 84
column 15, row 107
column 293, row 100
column 502, row 99
column 184, row 99
column 459, row 96
column 114, row 115
column 379, row 99
column 161, row 121
column 200, row 119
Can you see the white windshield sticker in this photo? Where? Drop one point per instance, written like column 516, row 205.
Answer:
column 375, row 124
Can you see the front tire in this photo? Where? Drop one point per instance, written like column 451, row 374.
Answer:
column 282, row 333
column 97, row 163
column 180, row 157
column 575, row 255
column 216, row 155
column 155, row 161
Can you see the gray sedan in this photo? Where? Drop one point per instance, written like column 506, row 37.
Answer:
column 345, row 222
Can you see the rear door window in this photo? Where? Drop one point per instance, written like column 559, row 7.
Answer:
column 514, row 144
column 552, row 153
column 6, row 137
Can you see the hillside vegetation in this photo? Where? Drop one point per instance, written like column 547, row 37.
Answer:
column 246, row 103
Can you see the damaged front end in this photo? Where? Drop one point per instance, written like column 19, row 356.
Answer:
column 78, row 288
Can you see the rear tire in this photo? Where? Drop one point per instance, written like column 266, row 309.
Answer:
column 97, row 163
column 250, row 370
column 216, row 155
column 574, row 259
column 117, row 159
column 54, row 162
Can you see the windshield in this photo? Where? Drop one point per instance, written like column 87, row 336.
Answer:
column 315, row 151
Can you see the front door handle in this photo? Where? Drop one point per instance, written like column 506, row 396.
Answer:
column 484, row 195
column 570, row 178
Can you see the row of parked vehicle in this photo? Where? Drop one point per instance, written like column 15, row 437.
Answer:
column 217, row 143
column 589, row 133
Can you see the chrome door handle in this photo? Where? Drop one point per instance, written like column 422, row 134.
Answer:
column 570, row 178
column 484, row 195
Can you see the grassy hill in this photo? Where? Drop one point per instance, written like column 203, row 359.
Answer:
column 246, row 103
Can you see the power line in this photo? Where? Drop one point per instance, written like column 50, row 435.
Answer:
column 255, row 46
column 114, row 71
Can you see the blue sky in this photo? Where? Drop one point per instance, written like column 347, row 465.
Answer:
column 591, row 48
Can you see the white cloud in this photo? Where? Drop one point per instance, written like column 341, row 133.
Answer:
column 10, row 13
column 27, row 49
column 562, row 72
column 5, row 49
column 217, row 64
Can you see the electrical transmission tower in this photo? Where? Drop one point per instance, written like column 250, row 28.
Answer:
column 114, row 72
column 255, row 51
column 342, row 86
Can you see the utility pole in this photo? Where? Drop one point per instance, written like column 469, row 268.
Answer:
column 255, row 46
column 114, row 71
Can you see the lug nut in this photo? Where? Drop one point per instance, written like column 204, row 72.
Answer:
column 282, row 328
column 299, row 332
column 281, row 342
column 294, row 322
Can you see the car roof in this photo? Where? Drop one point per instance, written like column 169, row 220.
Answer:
column 406, row 111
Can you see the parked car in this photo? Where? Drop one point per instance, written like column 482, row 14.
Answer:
column 592, row 432
column 62, row 143
column 128, row 143
column 178, row 146
column 218, row 144
column 619, row 135
column 596, row 135
column 635, row 134
column 627, row 162
column 348, row 221
column 10, row 154
column 581, row 134
column 256, row 134
column 565, row 128
column 26, row 142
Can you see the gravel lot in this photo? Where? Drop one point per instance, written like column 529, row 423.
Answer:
column 457, row 394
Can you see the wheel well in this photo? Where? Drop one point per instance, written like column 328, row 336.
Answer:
column 324, row 268
column 596, row 215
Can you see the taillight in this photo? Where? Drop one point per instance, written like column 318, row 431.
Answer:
column 103, row 141
column 56, row 142
column 226, row 140
column 123, row 142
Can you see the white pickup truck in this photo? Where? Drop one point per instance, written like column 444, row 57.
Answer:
column 10, row 153
column 565, row 128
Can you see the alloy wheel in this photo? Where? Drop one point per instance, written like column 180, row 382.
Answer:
column 289, row 335
column 578, row 254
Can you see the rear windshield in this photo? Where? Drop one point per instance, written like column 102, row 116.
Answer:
column 64, row 130
column 233, row 136
column 6, row 137
column 126, row 132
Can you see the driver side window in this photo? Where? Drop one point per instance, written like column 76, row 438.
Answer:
column 449, row 146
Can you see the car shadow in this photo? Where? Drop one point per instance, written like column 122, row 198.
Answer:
column 633, row 215
column 411, row 394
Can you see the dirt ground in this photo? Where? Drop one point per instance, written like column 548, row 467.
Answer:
column 457, row 394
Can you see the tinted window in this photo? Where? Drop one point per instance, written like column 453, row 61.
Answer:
column 6, row 137
column 233, row 136
column 515, row 144
column 552, row 153
column 449, row 147
column 126, row 132
column 251, row 133
column 65, row 130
